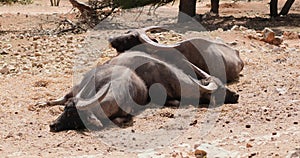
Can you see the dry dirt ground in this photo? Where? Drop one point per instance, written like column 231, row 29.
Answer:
column 38, row 66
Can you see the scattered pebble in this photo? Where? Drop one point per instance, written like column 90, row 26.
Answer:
column 40, row 83
column 248, row 145
column 235, row 28
column 268, row 118
column 193, row 123
column 268, row 35
column 200, row 153
column 4, row 70
column 167, row 114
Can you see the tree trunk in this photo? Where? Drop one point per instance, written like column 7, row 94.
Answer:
column 187, row 9
column 214, row 6
column 57, row 2
column 287, row 6
column 273, row 8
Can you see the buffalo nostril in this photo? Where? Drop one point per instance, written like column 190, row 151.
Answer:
column 236, row 96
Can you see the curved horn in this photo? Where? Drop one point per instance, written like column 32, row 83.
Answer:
column 200, row 72
column 84, row 104
column 210, row 88
column 143, row 37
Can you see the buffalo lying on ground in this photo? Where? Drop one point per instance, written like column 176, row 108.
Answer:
column 176, row 83
column 215, row 58
column 119, row 88
column 105, row 92
column 128, row 82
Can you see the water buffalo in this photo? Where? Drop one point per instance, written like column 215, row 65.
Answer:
column 215, row 58
column 105, row 92
column 176, row 83
column 116, row 90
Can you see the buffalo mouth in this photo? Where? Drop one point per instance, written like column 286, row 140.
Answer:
column 57, row 127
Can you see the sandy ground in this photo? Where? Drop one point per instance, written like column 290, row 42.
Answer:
column 35, row 66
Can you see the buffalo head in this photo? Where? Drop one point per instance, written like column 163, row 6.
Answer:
column 68, row 120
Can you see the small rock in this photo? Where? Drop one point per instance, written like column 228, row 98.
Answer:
column 235, row 28
column 9, row 135
column 4, row 52
column 21, row 36
column 4, row 70
column 252, row 155
column 268, row 35
column 248, row 126
column 41, row 83
column 12, row 37
column 268, row 118
column 31, row 107
column 35, row 38
column 70, row 38
column 200, row 153
column 193, row 123
column 248, row 145
column 167, row 114
column 37, row 54
column 243, row 28
column 234, row 43
column 26, row 68
column 277, row 40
